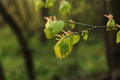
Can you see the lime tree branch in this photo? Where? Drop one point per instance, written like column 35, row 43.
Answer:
column 88, row 25
column 91, row 27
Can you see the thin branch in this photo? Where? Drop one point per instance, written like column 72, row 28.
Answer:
column 92, row 27
column 89, row 29
column 82, row 24
column 87, row 25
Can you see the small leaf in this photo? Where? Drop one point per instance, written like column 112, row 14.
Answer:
column 85, row 35
column 72, row 25
column 53, row 27
column 118, row 37
column 65, row 7
column 111, row 23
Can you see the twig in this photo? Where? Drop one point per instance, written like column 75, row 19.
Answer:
column 87, row 25
column 92, row 27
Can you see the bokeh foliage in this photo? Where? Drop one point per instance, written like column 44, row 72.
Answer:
column 86, row 61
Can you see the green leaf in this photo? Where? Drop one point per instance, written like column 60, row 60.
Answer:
column 118, row 37
column 48, row 33
column 63, row 48
column 111, row 23
column 58, row 26
column 85, row 35
column 75, row 38
column 72, row 25
column 65, row 7
column 65, row 45
column 53, row 27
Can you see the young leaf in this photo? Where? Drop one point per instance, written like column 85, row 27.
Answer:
column 118, row 37
column 58, row 26
column 65, row 7
column 85, row 35
column 65, row 45
column 111, row 23
column 53, row 27
column 72, row 25
column 63, row 48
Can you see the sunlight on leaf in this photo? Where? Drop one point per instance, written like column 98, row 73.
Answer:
column 65, row 45
column 75, row 38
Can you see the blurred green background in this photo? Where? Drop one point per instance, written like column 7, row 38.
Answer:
column 87, row 61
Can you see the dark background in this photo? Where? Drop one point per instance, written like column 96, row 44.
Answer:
column 26, row 54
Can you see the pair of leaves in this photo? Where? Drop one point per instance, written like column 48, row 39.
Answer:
column 53, row 27
column 65, row 7
column 65, row 45
column 111, row 23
